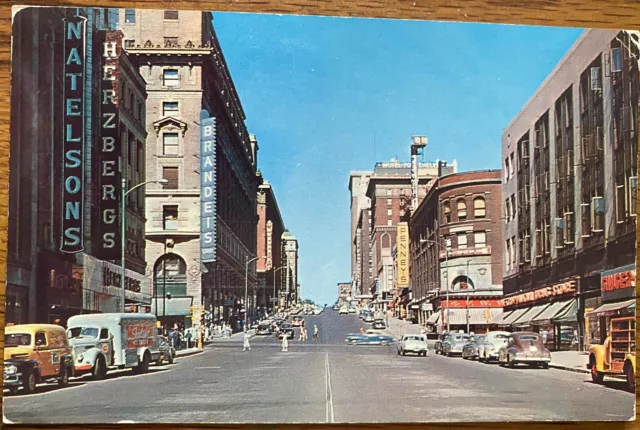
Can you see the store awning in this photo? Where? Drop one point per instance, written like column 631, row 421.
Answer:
column 501, row 316
column 530, row 315
column 612, row 308
column 477, row 316
column 554, row 309
column 176, row 306
column 434, row 318
column 510, row 319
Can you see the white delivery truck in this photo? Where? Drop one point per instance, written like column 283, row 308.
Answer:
column 108, row 341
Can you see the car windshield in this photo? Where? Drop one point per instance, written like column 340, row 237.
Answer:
column 17, row 339
column 83, row 332
column 480, row 339
column 500, row 336
column 460, row 337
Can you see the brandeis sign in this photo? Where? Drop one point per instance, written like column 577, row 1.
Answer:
column 73, row 108
column 207, row 188
column 109, row 150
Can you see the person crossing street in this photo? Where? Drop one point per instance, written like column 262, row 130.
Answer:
column 246, row 344
column 315, row 333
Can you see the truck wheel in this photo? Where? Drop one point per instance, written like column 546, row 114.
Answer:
column 63, row 380
column 596, row 376
column 13, row 390
column 100, row 369
column 170, row 358
column 143, row 367
column 631, row 377
column 29, row 384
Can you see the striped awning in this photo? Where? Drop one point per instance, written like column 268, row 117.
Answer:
column 511, row 318
column 434, row 318
column 612, row 308
column 500, row 317
column 554, row 309
column 477, row 316
column 530, row 315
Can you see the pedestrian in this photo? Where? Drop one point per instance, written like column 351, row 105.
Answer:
column 304, row 329
column 246, row 344
column 188, row 336
column 315, row 333
column 544, row 334
column 285, row 342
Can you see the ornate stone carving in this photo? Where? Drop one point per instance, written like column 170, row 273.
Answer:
column 170, row 124
column 148, row 44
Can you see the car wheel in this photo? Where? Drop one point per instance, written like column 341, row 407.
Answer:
column 631, row 377
column 63, row 381
column 143, row 367
column 545, row 365
column 596, row 376
column 510, row 362
column 100, row 369
column 29, row 384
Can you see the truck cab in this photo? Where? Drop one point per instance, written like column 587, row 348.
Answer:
column 616, row 356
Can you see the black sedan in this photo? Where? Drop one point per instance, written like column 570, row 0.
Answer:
column 285, row 330
column 379, row 324
column 264, row 329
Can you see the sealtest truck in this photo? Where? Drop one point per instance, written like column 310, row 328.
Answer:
column 113, row 340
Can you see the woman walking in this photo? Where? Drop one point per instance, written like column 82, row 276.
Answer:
column 285, row 342
column 315, row 333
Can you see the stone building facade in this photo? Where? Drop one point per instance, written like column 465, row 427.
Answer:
column 291, row 288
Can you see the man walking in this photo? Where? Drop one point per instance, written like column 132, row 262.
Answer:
column 246, row 344
column 285, row 342
column 315, row 333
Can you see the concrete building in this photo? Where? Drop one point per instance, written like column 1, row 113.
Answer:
column 291, row 293
column 456, row 248
column 76, row 102
column 569, row 189
column 270, row 251
column 358, row 184
column 389, row 191
column 179, row 57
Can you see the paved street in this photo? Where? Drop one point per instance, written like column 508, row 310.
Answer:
column 323, row 382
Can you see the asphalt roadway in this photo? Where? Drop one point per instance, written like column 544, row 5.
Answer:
column 323, row 382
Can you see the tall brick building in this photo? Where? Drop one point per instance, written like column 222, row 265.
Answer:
column 456, row 246
column 178, row 55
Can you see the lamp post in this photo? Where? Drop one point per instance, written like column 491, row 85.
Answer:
column 446, row 262
column 468, row 283
column 274, row 298
column 124, row 194
column 246, row 287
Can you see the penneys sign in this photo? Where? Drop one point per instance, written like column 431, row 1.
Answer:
column 73, row 137
column 109, row 151
column 207, row 188
column 402, row 241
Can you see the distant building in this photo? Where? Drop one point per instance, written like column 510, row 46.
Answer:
column 456, row 247
column 570, row 191
column 358, row 184
column 291, row 291
column 344, row 292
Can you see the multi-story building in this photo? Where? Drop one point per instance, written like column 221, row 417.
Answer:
column 389, row 193
column 358, row 183
column 291, row 286
column 456, row 252
column 178, row 55
column 77, row 128
column 270, row 247
column 569, row 189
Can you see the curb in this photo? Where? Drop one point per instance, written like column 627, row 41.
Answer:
column 569, row 369
column 188, row 353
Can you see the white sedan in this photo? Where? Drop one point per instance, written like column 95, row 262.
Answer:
column 414, row 343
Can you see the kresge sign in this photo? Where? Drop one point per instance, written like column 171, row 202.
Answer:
column 207, row 188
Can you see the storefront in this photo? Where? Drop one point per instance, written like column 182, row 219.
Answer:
column 459, row 314
column 618, row 292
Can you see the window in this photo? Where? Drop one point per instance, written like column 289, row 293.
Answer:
column 462, row 240
column 505, row 176
column 131, row 150
column 171, row 175
column 389, row 202
column 480, row 239
column 170, row 42
column 446, row 212
column 171, row 78
column 508, row 255
column 507, row 209
column 513, row 206
column 389, row 192
column 170, row 217
column 512, row 169
column 129, row 43
column 139, row 160
column 462, row 209
column 104, row 333
column 389, row 212
column 389, row 222
column 41, row 339
column 170, row 108
column 170, row 144
column 171, row 14
column 479, row 210
column 513, row 250
column 130, row 16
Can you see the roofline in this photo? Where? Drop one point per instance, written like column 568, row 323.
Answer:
column 275, row 201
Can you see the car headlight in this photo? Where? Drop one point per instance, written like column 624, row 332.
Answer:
column 10, row 370
column 81, row 357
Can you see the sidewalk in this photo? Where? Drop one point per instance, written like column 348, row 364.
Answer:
column 397, row 328
column 235, row 337
column 186, row 352
column 574, row 361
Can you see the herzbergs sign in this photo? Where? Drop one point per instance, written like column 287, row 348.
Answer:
column 618, row 284
column 73, row 136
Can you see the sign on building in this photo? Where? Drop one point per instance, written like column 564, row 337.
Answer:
column 109, row 152
column 269, row 244
column 618, row 284
column 207, row 188
column 73, row 135
column 402, row 243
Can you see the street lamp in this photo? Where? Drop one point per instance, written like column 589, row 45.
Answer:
column 246, row 286
column 446, row 262
column 124, row 194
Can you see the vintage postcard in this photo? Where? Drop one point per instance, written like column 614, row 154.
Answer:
column 246, row 218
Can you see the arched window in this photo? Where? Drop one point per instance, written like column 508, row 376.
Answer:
column 479, row 207
column 446, row 212
column 170, row 276
column 462, row 209
column 462, row 283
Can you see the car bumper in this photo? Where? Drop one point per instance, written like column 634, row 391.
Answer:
column 415, row 350
column 531, row 359
column 14, row 380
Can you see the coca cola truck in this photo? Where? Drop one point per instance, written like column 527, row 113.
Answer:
column 102, row 342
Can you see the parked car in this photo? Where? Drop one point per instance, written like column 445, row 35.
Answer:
column 344, row 310
column 379, row 324
column 336, row 307
column 369, row 318
column 438, row 345
column 414, row 343
column 352, row 310
column 298, row 320
column 264, row 329
column 374, row 339
column 167, row 352
column 285, row 330
column 352, row 337
column 454, row 344
column 470, row 350
column 493, row 341
column 35, row 353
column 524, row 347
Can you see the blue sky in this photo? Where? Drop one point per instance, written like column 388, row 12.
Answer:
column 318, row 91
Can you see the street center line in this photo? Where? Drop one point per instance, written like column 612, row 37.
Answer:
column 210, row 367
column 329, row 400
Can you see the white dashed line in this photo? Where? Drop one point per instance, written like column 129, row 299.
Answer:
column 329, row 399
